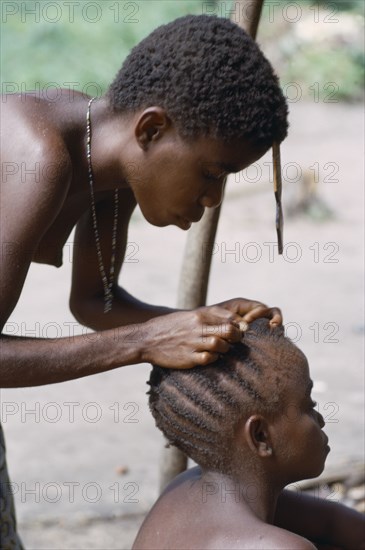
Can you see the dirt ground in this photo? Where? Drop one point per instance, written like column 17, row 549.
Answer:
column 84, row 455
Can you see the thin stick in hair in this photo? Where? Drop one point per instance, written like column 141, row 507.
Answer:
column 277, row 192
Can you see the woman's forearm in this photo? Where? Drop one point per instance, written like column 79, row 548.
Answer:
column 36, row 361
column 126, row 310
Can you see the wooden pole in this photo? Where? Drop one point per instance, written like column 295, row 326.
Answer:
column 249, row 16
column 195, row 270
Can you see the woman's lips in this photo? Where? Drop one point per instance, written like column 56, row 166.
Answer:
column 184, row 223
column 198, row 216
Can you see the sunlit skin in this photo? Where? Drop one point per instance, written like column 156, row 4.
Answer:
column 45, row 193
column 189, row 175
column 248, row 508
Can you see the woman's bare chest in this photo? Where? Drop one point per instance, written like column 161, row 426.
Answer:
column 50, row 247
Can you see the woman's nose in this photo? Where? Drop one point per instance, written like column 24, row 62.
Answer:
column 213, row 196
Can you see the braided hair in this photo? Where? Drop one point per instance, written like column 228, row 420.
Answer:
column 198, row 409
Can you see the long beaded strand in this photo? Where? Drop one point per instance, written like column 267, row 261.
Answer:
column 107, row 284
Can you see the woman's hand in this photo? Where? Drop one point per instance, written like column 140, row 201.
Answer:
column 249, row 310
column 186, row 339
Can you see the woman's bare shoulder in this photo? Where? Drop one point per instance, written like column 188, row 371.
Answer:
column 32, row 148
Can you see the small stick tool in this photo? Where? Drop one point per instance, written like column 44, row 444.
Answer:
column 277, row 192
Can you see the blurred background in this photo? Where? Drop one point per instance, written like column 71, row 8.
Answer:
column 85, row 42
column 84, row 455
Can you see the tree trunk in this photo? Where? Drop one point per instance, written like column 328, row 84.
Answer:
column 194, row 275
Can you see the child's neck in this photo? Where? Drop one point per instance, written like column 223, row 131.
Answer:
column 253, row 493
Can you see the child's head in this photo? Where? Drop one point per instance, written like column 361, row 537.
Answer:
column 210, row 77
column 253, row 406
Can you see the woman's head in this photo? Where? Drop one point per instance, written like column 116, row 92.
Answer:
column 199, row 101
column 252, row 404
column 209, row 76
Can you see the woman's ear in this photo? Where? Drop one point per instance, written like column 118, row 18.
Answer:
column 257, row 434
column 151, row 126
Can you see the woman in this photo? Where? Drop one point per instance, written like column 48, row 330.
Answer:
column 175, row 121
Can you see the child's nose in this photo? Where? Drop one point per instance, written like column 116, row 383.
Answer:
column 321, row 421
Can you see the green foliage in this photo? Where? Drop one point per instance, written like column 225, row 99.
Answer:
column 37, row 51
column 330, row 5
column 343, row 5
column 85, row 42
column 317, row 47
column 327, row 78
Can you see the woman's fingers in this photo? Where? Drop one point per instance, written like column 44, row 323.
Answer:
column 250, row 310
column 214, row 344
column 204, row 358
column 272, row 313
column 198, row 337
column 227, row 330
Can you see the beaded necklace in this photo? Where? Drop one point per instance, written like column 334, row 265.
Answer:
column 107, row 283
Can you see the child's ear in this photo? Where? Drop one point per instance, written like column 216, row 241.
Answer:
column 257, row 435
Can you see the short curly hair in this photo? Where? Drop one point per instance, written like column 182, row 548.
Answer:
column 198, row 409
column 211, row 78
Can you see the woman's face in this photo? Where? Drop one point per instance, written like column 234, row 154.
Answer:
column 176, row 179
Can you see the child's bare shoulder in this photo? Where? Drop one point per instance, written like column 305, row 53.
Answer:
column 268, row 537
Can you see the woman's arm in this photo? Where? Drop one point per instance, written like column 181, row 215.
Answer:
column 87, row 293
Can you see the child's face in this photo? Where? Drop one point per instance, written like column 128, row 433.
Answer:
column 302, row 446
column 177, row 180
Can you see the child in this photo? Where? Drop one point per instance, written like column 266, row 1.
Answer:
column 252, row 427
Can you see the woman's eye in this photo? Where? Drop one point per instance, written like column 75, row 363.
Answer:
column 212, row 177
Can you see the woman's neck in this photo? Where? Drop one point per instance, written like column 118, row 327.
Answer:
column 110, row 135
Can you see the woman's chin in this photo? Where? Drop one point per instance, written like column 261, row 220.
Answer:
column 155, row 220
column 159, row 221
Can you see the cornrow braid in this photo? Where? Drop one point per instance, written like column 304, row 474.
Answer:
column 198, row 409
